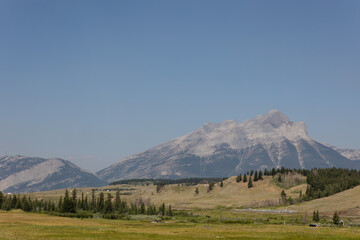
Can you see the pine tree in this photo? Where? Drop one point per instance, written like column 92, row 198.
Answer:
column 256, row 176
column 170, row 213
column 279, row 178
column 273, row 172
column 250, row 183
column 142, row 208
column 108, row 204
column 336, row 218
column 245, row 178
column 251, row 173
column 197, row 191
column 238, row 178
column 211, row 186
column 68, row 205
column 74, row 192
column 100, row 204
column 283, row 197
column 18, row 202
column 93, row 200
column 317, row 216
column 221, row 184
column 1, row 198
column 117, row 201
column 60, row 203
column 26, row 205
column 260, row 177
column 162, row 209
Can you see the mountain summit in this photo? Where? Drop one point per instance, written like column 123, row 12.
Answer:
column 230, row 148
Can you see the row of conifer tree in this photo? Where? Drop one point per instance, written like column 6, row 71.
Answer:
column 74, row 204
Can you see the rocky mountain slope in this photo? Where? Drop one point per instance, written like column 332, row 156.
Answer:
column 30, row 174
column 229, row 148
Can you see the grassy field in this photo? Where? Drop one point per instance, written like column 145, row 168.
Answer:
column 219, row 214
column 233, row 194
column 346, row 202
column 19, row 225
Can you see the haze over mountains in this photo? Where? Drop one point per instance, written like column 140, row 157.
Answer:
column 32, row 174
column 214, row 150
column 230, row 148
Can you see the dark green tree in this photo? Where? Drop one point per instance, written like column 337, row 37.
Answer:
column 211, row 186
column 26, row 205
column 197, row 191
column 117, row 201
column 93, row 200
column 1, row 198
column 260, row 177
column 108, row 204
column 221, row 183
column 101, row 203
column 336, row 218
column 250, row 184
column 170, row 213
column 245, row 178
column 68, row 205
column 256, row 176
column 283, row 196
column 316, row 216
column 239, row 178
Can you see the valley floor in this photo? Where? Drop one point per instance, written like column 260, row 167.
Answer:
column 20, row 225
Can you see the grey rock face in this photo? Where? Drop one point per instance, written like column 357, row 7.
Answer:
column 20, row 174
column 230, row 148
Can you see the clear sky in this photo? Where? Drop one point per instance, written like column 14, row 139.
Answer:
column 96, row 81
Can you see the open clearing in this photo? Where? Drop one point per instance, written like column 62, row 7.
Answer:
column 19, row 225
column 233, row 194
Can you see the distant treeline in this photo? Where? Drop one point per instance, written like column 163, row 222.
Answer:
column 83, row 207
column 186, row 181
column 324, row 182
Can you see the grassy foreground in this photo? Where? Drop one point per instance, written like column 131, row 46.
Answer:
column 20, row 225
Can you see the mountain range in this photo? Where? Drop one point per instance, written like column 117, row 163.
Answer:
column 214, row 150
column 32, row 174
column 230, row 148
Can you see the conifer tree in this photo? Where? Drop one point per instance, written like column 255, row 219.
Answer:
column 117, row 201
column 60, row 203
column 100, row 203
column 336, row 218
column 26, row 205
column 239, row 178
column 250, row 183
column 221, row 183
column 142, row 208
column 108, row 204
column 18, row 202
column 93, row 200
column 244, row 178
column 197, row 191
column 68, row 205
column 170, row 213
column 1, row 198
column 260, row 177
column 283, row 196
column 256, row 176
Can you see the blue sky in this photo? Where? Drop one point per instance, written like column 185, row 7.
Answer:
column 96, row 81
